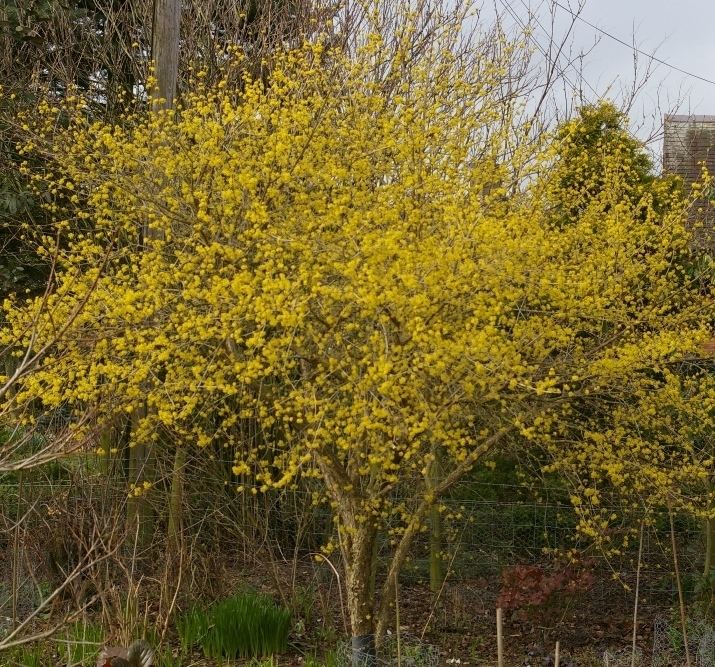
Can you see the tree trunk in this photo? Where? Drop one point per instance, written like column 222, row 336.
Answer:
column 389, row 587
column 360, row 600
column 373, row 567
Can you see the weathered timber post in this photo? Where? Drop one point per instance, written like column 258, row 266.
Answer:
column 165, row 56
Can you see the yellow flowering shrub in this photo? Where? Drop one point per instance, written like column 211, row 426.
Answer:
column 344, row 261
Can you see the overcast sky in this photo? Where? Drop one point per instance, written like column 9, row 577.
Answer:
column 679, row 32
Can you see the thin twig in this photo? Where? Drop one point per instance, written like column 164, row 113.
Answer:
column 340, row 587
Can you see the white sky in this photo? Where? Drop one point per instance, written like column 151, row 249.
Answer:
column 680, row 32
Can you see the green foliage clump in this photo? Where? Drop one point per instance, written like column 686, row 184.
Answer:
column 81, row 643
column 26, row 656
column 191, row 626
column 246, row 625
column 166, row 659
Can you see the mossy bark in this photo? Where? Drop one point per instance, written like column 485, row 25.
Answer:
column 360, row 598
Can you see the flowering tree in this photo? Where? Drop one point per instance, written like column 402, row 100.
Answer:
column 342, row 260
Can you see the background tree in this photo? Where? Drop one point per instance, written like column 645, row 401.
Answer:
column 597, row 165
column 588, row 148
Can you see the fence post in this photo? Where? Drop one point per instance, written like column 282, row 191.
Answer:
column 500, row 639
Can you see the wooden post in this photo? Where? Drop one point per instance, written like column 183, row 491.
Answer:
column 500, row 639
column 140, row 468
column 176, row 503
column 557, row 656
column 165, row 50
column 165, row 55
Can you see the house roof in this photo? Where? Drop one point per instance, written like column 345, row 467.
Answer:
column 688, row 145
column 689, row 142
column 684, row 118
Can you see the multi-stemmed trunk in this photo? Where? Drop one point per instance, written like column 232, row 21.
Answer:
column 358, row 541
column 368, row 619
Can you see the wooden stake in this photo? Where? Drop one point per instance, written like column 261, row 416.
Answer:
column 683, row 624
column 635, row 604
column 500, row 639
column 556, row 654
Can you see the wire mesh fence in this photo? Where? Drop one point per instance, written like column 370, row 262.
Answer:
column 47, row 524
column 480, row 536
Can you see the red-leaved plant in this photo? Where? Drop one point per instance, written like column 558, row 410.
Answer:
column 527, row 586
